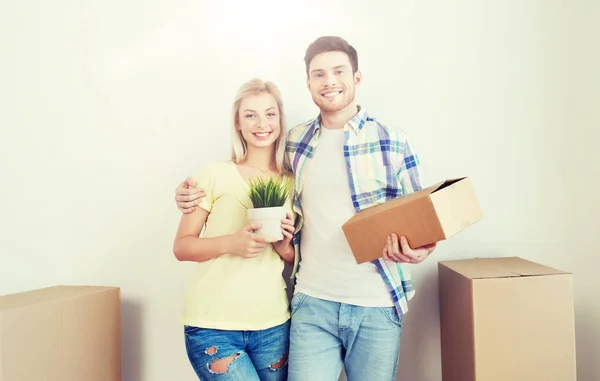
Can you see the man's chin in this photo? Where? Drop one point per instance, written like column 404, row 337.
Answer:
column 329, row 108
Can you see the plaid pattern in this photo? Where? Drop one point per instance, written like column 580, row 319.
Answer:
column 381, row 166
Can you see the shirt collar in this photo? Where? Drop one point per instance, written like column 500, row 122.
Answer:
column 356, row 123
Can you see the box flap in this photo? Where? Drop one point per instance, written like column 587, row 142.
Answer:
column 48, row 294
column 445, row 184
column 503, row 267
column 456, row 205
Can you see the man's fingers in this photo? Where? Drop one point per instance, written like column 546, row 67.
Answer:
column 403, row 258
column 396, row 253
column 406, row 250
column 395, row 246
column 190, row 182
column 391, row 251
column 186, row 210
column 190, row 194
column 385, row 254
column 187, row 205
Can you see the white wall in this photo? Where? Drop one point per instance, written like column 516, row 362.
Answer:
column 106, row 106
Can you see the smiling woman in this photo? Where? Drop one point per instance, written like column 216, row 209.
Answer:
column 232, row 254
column 259, row 122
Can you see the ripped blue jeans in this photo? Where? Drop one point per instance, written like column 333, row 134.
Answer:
column 239, row 355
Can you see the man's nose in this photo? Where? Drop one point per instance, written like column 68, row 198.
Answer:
column 330, row 80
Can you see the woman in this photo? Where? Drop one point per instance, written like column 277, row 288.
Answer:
column 235, row 315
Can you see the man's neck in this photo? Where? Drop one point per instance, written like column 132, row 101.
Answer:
column 338, row 119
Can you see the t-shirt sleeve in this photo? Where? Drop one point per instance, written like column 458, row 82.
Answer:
column 206, row 179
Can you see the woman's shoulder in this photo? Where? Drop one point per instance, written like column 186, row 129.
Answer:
column 216, row 167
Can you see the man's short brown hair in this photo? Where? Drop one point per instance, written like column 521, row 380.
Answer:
column 331, row 44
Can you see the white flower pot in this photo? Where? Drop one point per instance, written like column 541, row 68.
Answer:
column 270, row 221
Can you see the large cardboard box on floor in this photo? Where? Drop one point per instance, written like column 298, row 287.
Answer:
column 430, row 215
column 62, row 333
column 506, row 319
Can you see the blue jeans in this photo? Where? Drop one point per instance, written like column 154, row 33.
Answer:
column 324, row 336
column 239, row 355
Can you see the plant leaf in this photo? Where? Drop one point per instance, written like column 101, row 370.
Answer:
column 266, row 192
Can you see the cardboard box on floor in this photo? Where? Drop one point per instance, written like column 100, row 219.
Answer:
column 424, row 217
column 506, row 319
column 62, row 333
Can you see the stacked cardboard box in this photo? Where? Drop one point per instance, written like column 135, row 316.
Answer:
column 63, row 333
column 506, row 319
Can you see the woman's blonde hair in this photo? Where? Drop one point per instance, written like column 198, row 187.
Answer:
column 239, row 146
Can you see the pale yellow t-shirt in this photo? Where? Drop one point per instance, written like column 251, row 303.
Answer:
column 230, row 292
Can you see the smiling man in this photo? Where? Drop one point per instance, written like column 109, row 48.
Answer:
column 344, row 314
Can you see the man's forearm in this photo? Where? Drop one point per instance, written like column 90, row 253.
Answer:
column 287, row 253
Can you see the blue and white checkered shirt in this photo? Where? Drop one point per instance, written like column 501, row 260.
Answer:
column 381, row 166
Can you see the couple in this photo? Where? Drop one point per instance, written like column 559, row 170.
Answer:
column 237, row 322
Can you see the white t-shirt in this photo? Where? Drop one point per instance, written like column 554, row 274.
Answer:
column 328, row 269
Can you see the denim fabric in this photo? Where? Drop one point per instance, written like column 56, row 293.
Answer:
column 257, row 355
column 325, row 335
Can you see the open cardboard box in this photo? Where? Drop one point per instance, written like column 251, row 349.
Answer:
column 424, row 217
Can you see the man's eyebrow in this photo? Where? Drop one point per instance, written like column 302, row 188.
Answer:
column 336, row 67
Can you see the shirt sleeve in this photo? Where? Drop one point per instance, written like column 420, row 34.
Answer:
column 289, row 203
column 206, row 179
column 409, row 170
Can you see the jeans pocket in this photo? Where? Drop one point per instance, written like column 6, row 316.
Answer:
column 190, row 329
column 391, row 315
column 297, row 301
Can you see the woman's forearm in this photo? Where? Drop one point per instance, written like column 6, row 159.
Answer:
column 196, row 249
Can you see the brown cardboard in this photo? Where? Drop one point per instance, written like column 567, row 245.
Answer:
column 62, row 333
column 506, row 319
column 424, row 217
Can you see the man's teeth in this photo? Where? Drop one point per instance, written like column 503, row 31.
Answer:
column 331, row 94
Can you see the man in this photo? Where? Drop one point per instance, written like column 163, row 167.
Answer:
column 344, row 314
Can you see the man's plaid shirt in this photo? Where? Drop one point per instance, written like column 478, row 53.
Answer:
column 381, row 166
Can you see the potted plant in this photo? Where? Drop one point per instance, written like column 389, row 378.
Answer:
column 268, row 196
